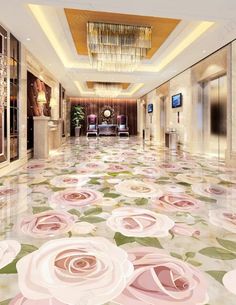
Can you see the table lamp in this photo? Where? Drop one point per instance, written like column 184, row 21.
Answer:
column 41, row 100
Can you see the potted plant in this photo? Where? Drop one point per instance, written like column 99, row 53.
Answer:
column 77, row 118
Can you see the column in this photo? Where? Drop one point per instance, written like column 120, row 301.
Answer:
column 231, row 107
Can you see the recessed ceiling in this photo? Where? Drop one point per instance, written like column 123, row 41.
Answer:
column 77, row 20
column 90, row 85
column 51, row 41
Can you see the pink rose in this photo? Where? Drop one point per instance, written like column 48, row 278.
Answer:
column 185, row 230
column 21, row 300
column 176, row 202
column 75, row 198
column 7, row 191
column 92, row 166
column 13, row 192
column 35, row 166
column 117, row 168
column 152, row 172
column 223, row 218
column 171, row 167
column 214, row 191
column 161, row 279
column 47, row 224
column 139, row 222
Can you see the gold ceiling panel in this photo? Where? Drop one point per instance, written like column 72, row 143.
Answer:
column 77, row 20
column 91, row 84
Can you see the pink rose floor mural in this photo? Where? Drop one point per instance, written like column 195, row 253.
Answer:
column 112, row 221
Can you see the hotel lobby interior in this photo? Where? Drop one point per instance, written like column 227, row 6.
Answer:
column 117, row 152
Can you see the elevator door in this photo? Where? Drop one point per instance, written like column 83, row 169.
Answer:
column 215, row 116
column 162, row 119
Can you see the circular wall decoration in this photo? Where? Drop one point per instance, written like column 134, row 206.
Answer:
column 107, row 113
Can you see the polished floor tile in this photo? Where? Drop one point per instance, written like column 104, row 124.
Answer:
column 115, row 221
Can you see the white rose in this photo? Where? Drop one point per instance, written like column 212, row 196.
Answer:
column 8, row 251
column 229, row 281
column 78, row 271
column 107, row 202
column 114, row 180
column 83, row 228
column 21, row 300
column 135, row 188
column 139, row 222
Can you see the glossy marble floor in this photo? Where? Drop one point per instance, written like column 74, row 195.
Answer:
column 114, row 221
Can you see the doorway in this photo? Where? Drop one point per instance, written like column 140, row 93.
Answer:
column 143, row 118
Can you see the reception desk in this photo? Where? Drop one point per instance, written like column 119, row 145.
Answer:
column 107, row 130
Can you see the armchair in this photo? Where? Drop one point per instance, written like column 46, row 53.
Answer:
column 92, row 125
column 122, row 125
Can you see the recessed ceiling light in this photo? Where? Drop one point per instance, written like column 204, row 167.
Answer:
column 28, row 39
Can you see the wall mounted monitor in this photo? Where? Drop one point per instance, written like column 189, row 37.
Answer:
column 150, row 108
column 177, row 100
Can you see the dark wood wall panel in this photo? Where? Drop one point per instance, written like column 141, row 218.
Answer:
column 120, row 106
column 34, row 85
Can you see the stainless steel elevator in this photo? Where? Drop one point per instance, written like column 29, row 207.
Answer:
column 214, row 103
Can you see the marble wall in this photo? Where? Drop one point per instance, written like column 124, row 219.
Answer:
column 188, row 122
column 181, row 84
column 28, row 63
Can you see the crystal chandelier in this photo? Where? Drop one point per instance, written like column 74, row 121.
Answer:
column 109, row 90
column 117, row 47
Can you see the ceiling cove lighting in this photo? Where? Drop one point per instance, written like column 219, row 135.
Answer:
column 134, row 89
column 117, row 47
column 200, row 29
column 50, row 33
column 107, row 89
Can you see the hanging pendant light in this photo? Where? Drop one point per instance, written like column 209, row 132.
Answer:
column 109, row 90
column 117, row 47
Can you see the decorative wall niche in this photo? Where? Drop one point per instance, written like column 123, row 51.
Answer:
column 34, row 86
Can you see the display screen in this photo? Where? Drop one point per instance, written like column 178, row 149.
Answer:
column 177, row 100
column 150, row 108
